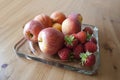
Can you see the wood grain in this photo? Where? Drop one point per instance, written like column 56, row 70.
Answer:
column 105, row 14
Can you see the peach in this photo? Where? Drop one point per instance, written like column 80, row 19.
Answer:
column 44, row 19
column 71, row 26
column 58, row 17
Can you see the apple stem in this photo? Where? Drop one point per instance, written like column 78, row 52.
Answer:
column 30, row 34
column 40, row 40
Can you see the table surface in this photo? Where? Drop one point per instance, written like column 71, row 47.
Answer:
column 105, row 14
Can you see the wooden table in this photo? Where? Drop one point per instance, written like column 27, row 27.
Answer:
column 105, row 14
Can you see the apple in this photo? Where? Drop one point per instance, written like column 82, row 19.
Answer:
column 57, row 26
column 76, row 16
column 44, row 19
column 50, row 41
column 31, row 30
column 58, row 17
column 71, row 26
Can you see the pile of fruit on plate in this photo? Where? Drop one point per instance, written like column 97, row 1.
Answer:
column 63, row 36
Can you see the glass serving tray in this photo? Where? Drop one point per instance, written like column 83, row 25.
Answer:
column 31, row 51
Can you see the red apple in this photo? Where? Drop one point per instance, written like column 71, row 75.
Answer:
column 44, row 19
column 58, row 17
column 76, row 16
column 50, row 41
column 71, row 26
column 31, row 30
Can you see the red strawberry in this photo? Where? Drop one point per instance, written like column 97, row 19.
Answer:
column 82, row 36
column 64, row 53
column 75, row 35
column 87, row 59
column 91, row 47
column 88, row 30
column 78, row 49
column 71, row 41
column 93, row 40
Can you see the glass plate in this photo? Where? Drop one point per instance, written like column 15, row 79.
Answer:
column 31, row 51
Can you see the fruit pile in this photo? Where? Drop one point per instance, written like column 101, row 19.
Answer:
column 63, row 36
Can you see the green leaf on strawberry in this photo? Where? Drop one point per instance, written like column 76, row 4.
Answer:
column 69, row 39
column 83, row 57
column 87, row 59
column 88, row 36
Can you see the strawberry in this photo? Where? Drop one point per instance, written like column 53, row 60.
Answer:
column 93, row 40
column 88, row 30
column 71, row 41
column 82, row 36
column 64, row 53
column 77, row 50
column 87, row 59
column 91, row 47
column 75, row 35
